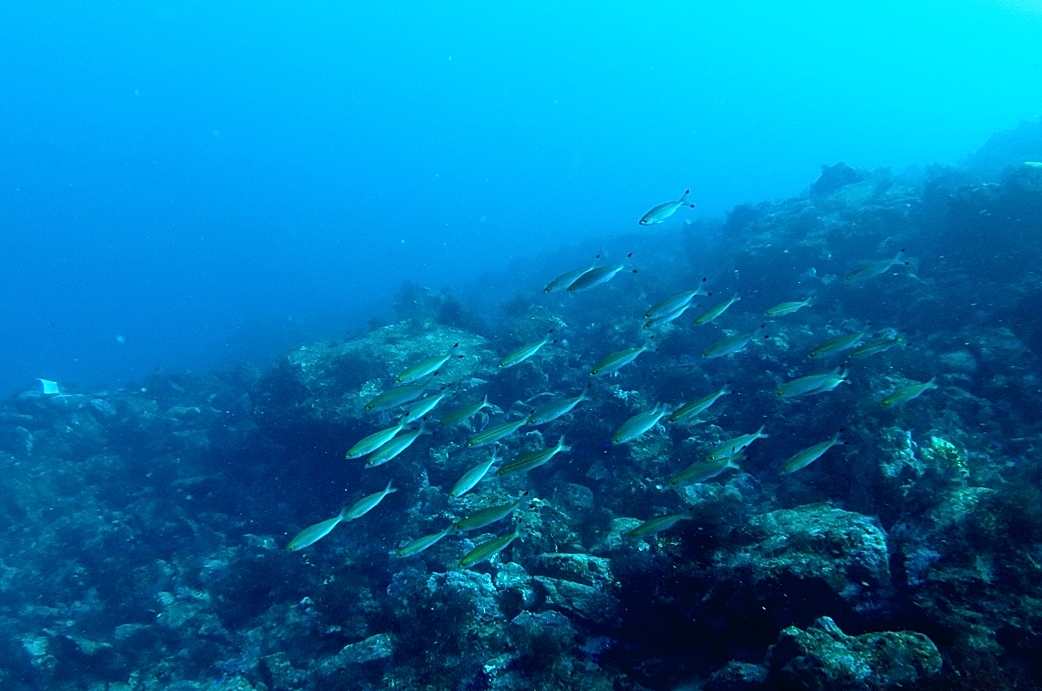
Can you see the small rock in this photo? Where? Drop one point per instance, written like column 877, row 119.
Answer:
column 737, row 676
column 377, row 647
column 582, row 600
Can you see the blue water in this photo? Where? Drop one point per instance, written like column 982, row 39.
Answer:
column 193, row 184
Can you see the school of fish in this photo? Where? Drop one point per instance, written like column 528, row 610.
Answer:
column 417, row 398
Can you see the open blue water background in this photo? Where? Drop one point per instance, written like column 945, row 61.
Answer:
column 192, row 184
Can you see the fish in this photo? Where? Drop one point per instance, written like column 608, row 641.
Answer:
column 565, row 280
column 494, row 434
column 699, row 406
column 473, row 476
column 1033, row 164
column 420, row 408
column 312, row 534
column 460, row 415
column 736, row 445
column 555, row 409
column 874, row 269
column 639, row 424
column 488, row 516
column 616, row 361
column 813, row 384
column 657, row 525
column 422, row 543
column 660, row 213
column 716, row 310
column 729, row 345
column 422, row 368
column 596, row 277
column 784, row 308
column 674, row 302
column 367, row 504
column 804, row 458
column 399, row 395
column 875, row 346
column 533, row 459
column 374, row 441
column 488, row 549
column 524, row 352
column 668, row 317
column 700, row 471
column 395, row 446
column 837, row 344
column 907, row 393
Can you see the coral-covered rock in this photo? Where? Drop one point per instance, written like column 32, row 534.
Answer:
column 823, row 658
column 841, row 555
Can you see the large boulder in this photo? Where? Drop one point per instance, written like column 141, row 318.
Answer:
column 823, row 658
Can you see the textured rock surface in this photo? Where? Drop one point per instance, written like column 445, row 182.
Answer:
column 823, row 658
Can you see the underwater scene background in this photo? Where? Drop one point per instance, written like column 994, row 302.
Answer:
column 419, row 383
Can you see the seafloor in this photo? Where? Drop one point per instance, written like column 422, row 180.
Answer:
column 144, row 527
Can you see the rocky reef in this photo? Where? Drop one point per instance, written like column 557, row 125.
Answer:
column 146, row 525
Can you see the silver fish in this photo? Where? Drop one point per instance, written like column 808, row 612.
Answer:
column 395, row 447
column 488, row 516
column 422, row 368
column 555, row 409
column 716, row 310
column 473, row 476
column 702, row 404
column 533, row 459
column 813, row 384
column 657, row 525
column 367, row 504
column 804, row 458
column 784, row 308
column 494, row 434
column 736, row 445
column 616, row 361
column 487, row 550
column 565, row 280
column 667, row 317
column 660, row 213
column 419, row 409
column 524, row 352
column 729, row 345
column 639, row 424
column 312, row 534
column 463, row 414
column 837, row 344
column 907, row 393
column 595, row 277
column 874, row 269
column 673, row 303
column 422, row 543
column 399, row 395
column 373, row 442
